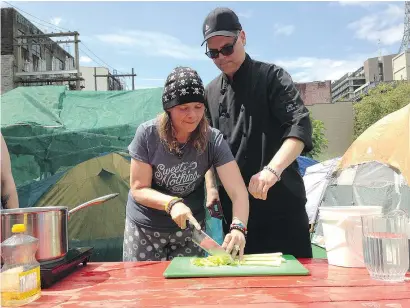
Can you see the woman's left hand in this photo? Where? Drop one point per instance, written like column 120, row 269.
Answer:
column 234, row 243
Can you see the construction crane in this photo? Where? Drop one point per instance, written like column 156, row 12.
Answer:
column 405, row 43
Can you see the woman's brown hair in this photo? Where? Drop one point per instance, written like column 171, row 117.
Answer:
column 199, row 137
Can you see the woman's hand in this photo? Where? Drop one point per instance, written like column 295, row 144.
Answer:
column 180, row 213
column 212, row 196
column 234, row 243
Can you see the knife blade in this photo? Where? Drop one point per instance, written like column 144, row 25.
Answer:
column 207, row 243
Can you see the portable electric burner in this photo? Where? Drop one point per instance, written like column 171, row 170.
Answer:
column 51, row 272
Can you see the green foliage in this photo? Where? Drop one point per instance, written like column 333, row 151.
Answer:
column 379, row 102
column 319, row 140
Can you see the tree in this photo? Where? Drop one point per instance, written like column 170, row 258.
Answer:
column 319, row 140
column 379, row 102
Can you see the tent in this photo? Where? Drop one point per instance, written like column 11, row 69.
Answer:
column 373, row 171
column 100, row 226
column 316, row 179
column 387, row 141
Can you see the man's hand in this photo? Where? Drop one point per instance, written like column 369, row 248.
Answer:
column 260, row 184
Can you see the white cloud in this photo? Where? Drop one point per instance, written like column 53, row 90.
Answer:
column 84, row 59
column 154, row 44
column 56, row 20
column 305, row 69
column 283, row 29
column 386, row 26
column 247, row 14
column 356, row 3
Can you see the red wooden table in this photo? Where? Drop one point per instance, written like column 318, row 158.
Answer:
column 141, row 284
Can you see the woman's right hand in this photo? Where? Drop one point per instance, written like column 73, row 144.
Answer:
column 180, row 213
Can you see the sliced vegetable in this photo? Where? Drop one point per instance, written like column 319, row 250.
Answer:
column 214, row 261
column 272, row 259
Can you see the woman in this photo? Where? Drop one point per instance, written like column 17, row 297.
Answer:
column 9, row 197
column 170, row 156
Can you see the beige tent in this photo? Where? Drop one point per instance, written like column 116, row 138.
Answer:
column 91, row 179
column 387, row 141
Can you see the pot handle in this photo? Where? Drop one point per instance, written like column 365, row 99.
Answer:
column 95, row 201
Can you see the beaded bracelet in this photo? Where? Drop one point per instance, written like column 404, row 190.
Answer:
column 240, row 227
column 170, row 204
column 273, row 171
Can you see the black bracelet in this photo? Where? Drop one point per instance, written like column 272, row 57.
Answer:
column 273, row 171
column 172, row 203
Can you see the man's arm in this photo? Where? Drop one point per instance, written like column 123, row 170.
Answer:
column 9, row 197
column 288, row 152
column 287, row 105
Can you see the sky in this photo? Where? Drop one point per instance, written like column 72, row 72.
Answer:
column 312, row 40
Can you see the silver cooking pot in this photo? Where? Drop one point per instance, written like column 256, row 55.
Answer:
column 48, row 224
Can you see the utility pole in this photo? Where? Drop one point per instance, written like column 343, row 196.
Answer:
column 77, row 60
column 116, row 75
column 95, row 78
column 44, row 39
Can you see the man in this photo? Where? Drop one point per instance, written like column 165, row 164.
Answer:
column 261, row 114
column 9, row 197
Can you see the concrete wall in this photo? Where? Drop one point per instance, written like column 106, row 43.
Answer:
column 89, row 81
column 7, row 66
column 34, row 57
column 388, row 67
column 401, row 66
column 338, row 121
column 371, row 69
column 316, row 92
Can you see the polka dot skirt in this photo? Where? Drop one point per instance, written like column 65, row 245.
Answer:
column 141, row 244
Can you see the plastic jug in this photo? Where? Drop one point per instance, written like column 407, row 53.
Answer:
column 342, row 231
column 20, row 274
column 386, row 245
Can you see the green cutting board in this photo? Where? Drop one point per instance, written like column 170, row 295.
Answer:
column 181, row 267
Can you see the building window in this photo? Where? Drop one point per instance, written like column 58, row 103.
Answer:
column 35, row 49
column 36, row 63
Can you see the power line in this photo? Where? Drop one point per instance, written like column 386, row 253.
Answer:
column 36, row 17
column 97, row 56
column 55, row 28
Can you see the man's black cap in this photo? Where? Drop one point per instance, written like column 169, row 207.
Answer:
column 221, row 21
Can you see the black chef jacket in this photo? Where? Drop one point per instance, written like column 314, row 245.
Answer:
column 255, row 112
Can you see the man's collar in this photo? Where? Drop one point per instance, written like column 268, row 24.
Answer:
column 240, row 72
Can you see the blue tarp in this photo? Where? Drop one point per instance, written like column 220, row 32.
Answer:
column 305, row 162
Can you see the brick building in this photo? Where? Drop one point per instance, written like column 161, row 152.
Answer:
column 315, row 92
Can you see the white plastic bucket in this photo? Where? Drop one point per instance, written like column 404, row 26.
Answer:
column 343, row 233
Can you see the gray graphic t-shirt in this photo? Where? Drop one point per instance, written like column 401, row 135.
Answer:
column 176, row 176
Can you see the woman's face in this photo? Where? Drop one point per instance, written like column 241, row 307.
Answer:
column 185, row 118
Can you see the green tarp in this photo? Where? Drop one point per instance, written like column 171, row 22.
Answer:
column 60, row 143
column 49, row 129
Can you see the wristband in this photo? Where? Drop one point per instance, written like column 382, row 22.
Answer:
column 171, row 203
column 239, row 221
column 273, row 171
column 239, row 226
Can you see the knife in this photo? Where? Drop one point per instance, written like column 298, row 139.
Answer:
column 207, row 243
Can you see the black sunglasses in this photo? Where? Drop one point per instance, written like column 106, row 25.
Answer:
column 226, row 50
